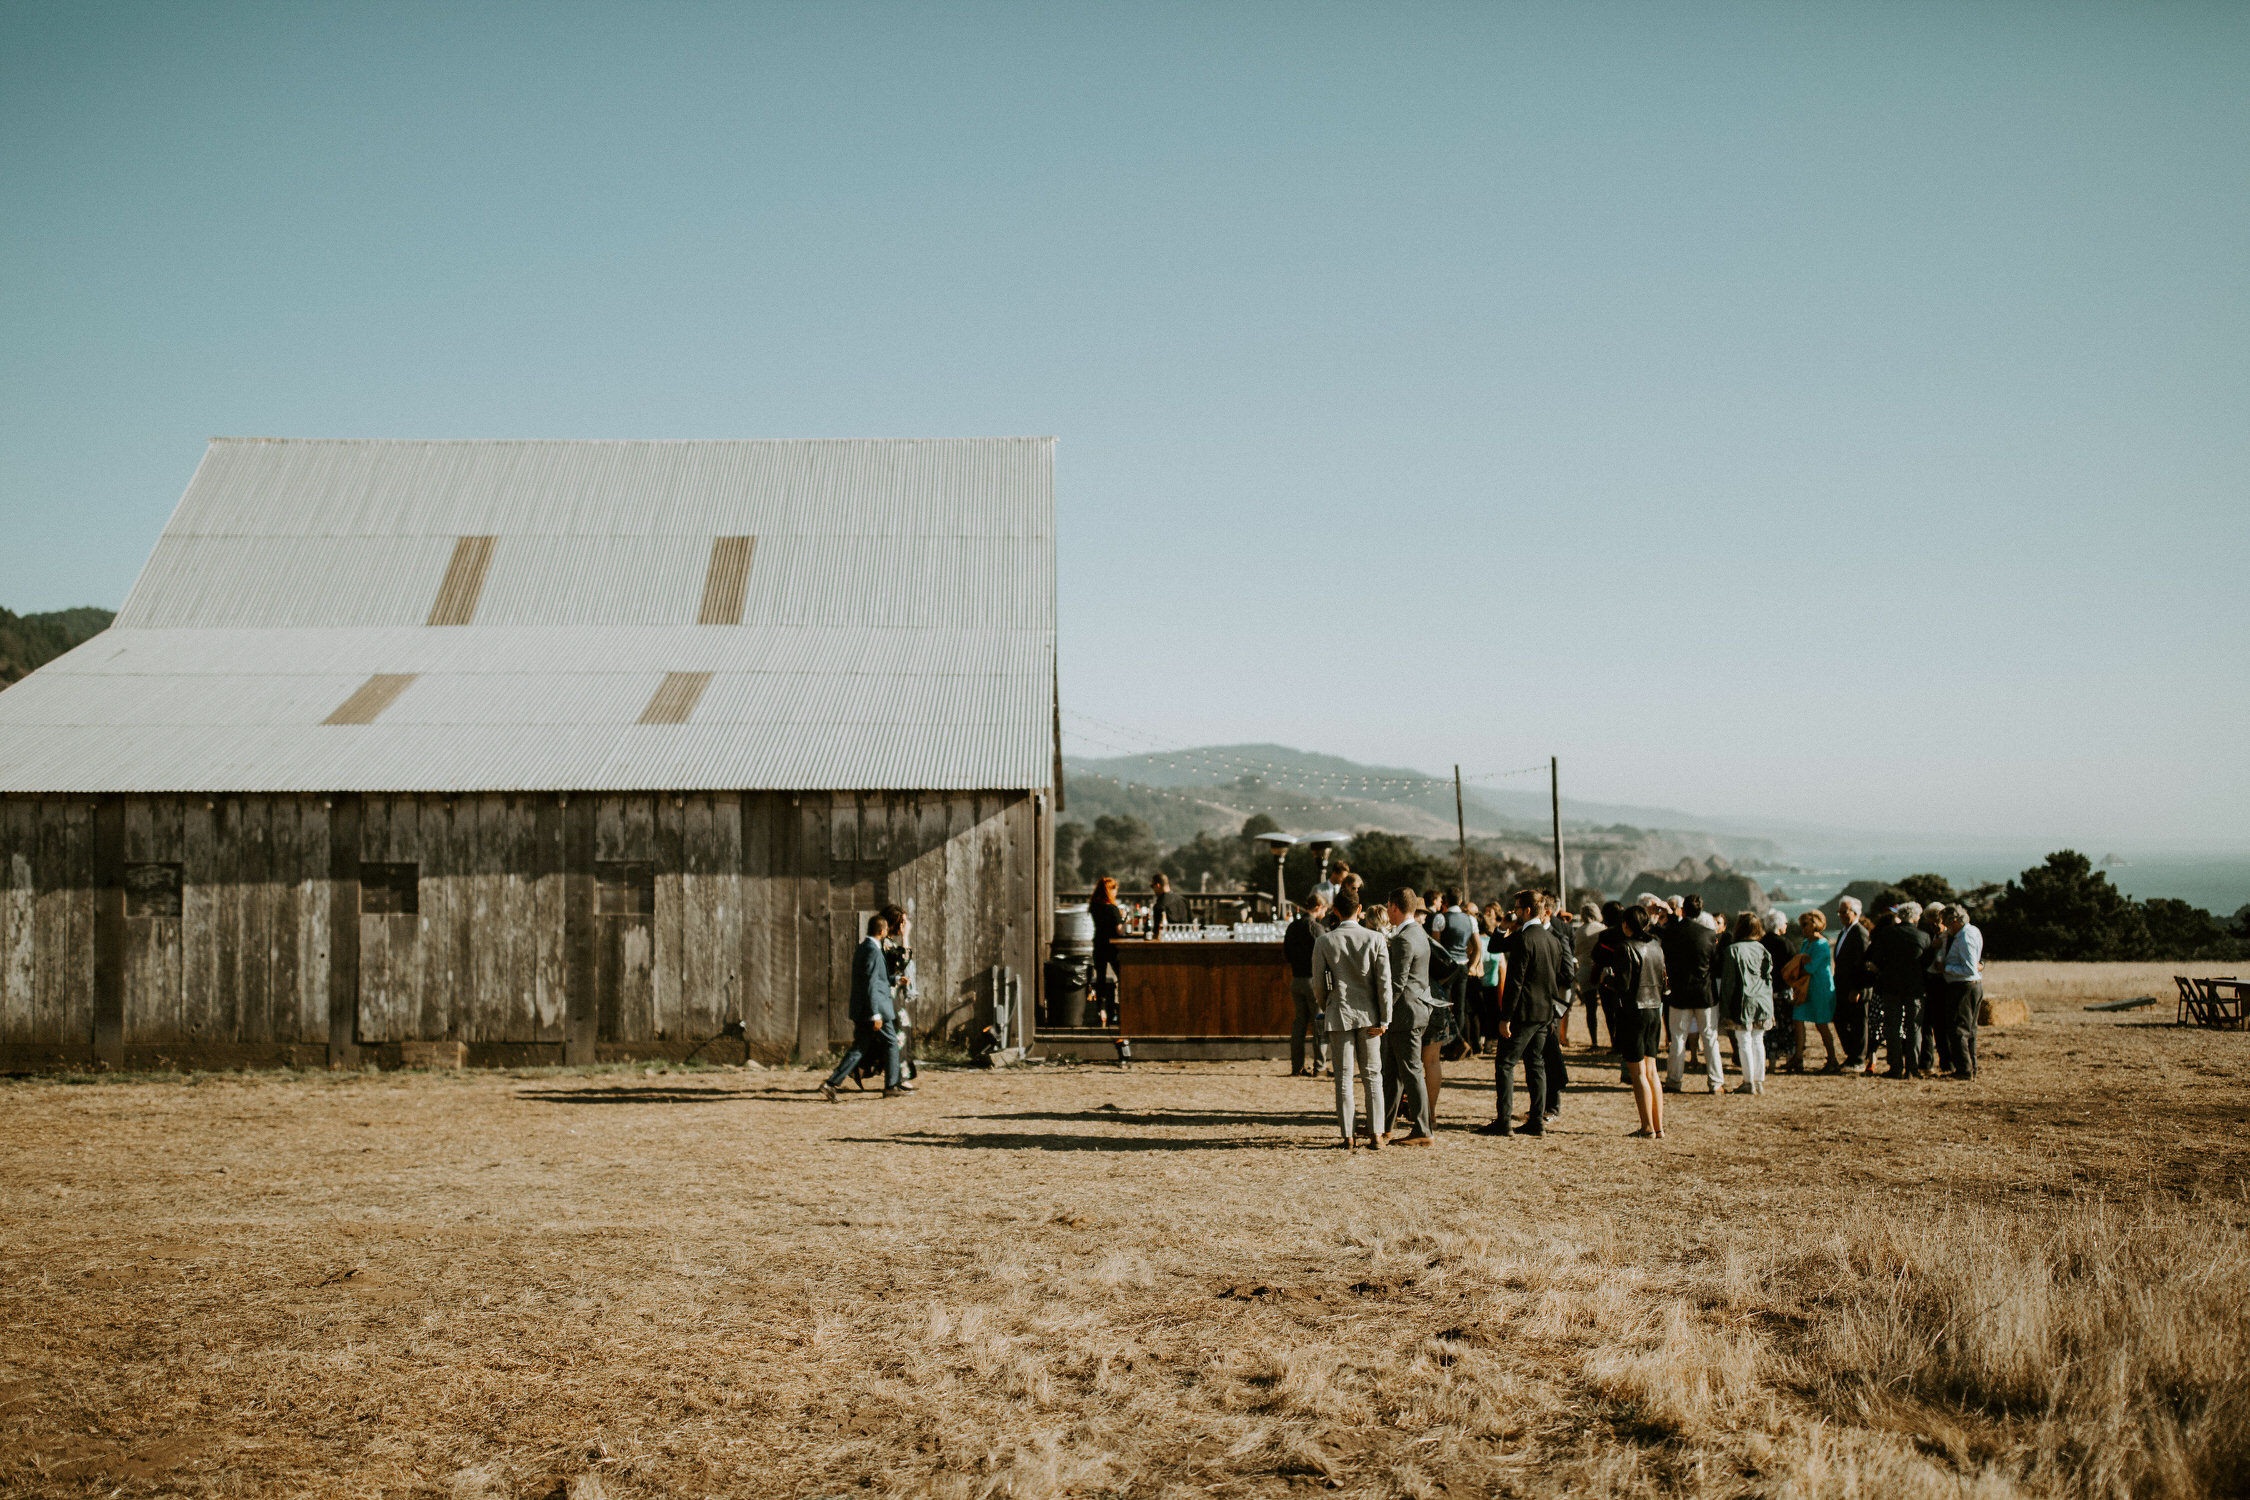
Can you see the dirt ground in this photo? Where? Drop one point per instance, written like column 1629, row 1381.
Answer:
column 1083, row 1280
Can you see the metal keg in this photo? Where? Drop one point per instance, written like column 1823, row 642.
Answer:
column 1074, row 932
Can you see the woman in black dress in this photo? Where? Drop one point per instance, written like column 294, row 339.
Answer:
column 1109, row 921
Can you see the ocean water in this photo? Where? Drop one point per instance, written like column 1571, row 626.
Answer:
column 2218, row 883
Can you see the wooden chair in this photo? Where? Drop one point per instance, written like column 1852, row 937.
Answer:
column 2195, row 1002
column 2227, row 1003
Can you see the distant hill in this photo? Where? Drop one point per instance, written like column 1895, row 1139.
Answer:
column 1213, row 789
column 1396, row 798
column 29, row 642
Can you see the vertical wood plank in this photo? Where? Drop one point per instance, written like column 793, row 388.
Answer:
column 375, row 981
column 253, row 932
column 769, row 928
column 284, row 828
column 722, row 885
column 581, row 993
column 226, row 922
column 809, row 813
column 343, row 931
column 108, row 895
column 200, row 892
column 609, row 829
column 669, row 1013
column 438, row 1000
column 479, row 1009
column 550, row 1000
column 78, row 991
column 52, row 884
column 308, row 993
column 146, row 1001
column 631, row 940
column 960, row 878
column 931, row 965
column 518, row 862
column 19, row 849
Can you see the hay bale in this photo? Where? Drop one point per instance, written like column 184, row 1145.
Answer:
column 433, row 1054
column 2002, row 1011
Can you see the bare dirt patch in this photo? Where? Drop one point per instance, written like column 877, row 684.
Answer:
column 1092, row 1281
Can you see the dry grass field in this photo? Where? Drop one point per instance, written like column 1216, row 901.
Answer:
column 1089, row 1281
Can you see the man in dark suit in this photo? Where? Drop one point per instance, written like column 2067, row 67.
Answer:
column 1538, row 988
column 874, row 1014
column 1406, row 1080
column 1851, row 984
column 1899, row 955
column 1690, row 1009
column 1297, row 947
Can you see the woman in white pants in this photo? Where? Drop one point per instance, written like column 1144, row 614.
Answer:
column 1744, row 982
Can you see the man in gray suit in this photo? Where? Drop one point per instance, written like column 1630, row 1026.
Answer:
column 1351, row 976
column 1406, row 1079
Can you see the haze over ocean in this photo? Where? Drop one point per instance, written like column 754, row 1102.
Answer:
column 1837, row 415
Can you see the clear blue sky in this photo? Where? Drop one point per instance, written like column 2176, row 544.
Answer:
column 1827, row 412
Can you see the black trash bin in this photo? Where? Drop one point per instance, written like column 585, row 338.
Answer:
column 1069, row 982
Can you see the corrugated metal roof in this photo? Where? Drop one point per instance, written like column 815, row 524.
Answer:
column 898, row 623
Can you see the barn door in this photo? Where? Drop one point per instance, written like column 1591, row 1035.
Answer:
column 625, row 949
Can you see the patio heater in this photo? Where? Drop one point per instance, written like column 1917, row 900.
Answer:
column 1280, row 844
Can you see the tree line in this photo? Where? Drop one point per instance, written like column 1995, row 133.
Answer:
column 1123, row 846
column 2065, row 910
column 2062, row 910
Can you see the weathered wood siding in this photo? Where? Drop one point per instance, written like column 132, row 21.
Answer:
column 753, row 902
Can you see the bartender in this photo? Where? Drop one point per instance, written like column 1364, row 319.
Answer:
column 1164, row 908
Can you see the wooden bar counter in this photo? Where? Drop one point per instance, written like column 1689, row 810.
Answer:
column 1204, row 999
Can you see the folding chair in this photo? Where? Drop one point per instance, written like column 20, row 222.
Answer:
column 2227, row 1004
column 2195, row 1004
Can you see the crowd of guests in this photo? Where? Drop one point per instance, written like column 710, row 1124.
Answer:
column 1385, row 996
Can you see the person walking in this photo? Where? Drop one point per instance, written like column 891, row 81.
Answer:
column 1744, row 990
column 871, row 1011
column 1635, row 980
column 1297, row 948
column 1817, row 1006
column 1964, row 980
column 1406, row 1077
column 1351, row 977
column 1538, row 988
column 1896, row 955
column 1849, row 954
column 1689, row 949
column 898, row 961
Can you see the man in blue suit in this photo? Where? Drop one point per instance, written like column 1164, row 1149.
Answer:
column 874, row 1020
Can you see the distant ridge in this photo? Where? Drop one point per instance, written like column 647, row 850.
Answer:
column 29, row 642
column 1513, row 806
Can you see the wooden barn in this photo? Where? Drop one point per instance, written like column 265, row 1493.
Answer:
column 560, row 750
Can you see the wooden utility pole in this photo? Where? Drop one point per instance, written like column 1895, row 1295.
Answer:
column 1461, row 826
column 1554, row 796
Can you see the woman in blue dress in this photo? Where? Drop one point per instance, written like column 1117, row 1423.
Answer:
column 1814, row 970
